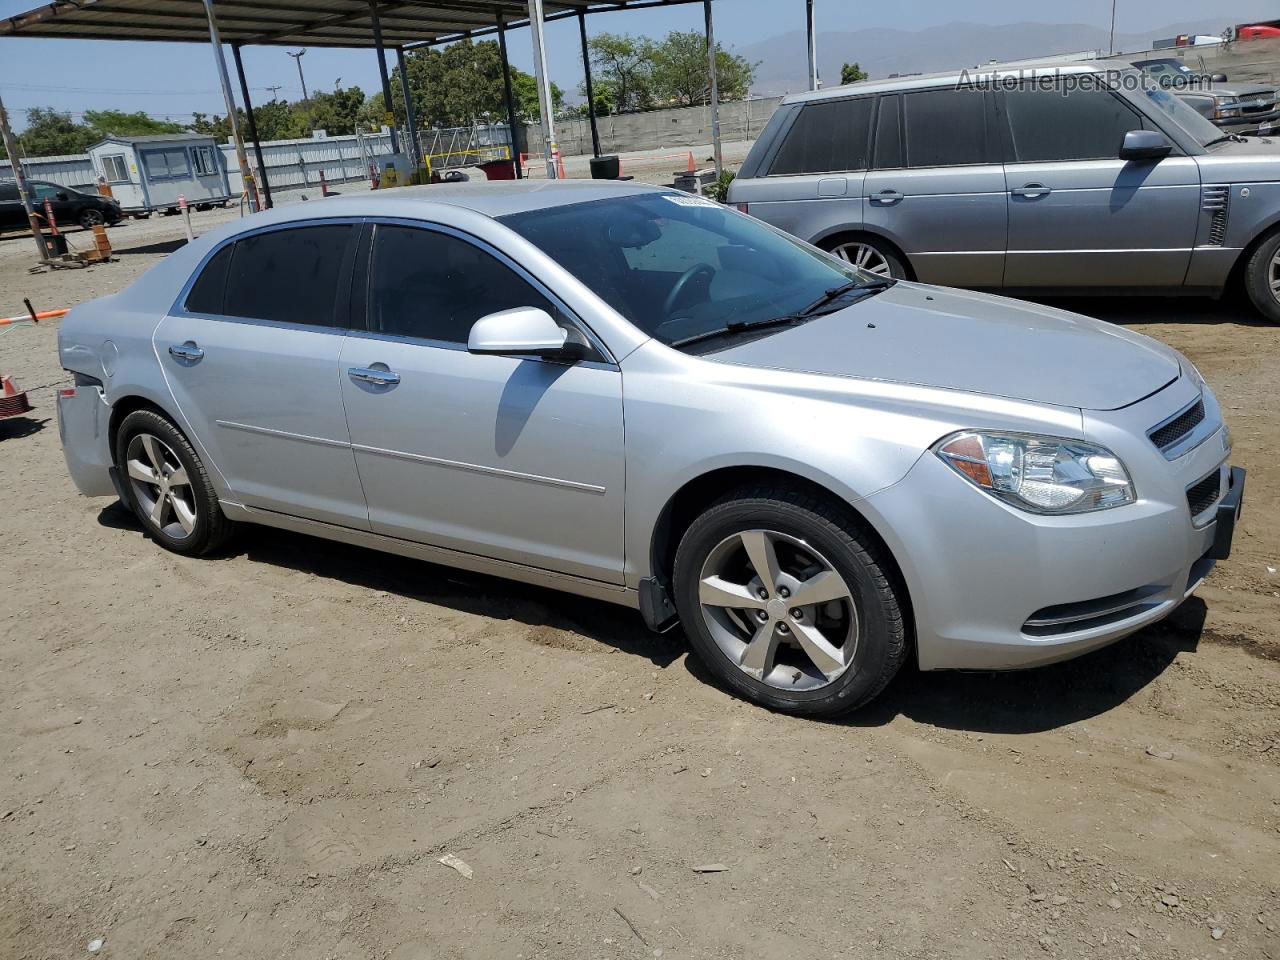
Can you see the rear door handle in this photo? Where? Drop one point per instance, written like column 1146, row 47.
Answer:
column 886, row 196
column 382, row 378
column 1031, row 190
column 188, row 352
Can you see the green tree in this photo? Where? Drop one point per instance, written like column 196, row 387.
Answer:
column 336, row 113
column 622, row 70
column 525, row 90
column 852, row 73
column 217, row 126
column 104, row 123
column 280, row 120
column 679, row 71
column 52, row 132
column 458, row 85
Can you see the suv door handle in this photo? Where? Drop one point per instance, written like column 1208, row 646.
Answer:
column 188, row 352
column 886, row 196
column 382, row 378
column 1031, row 190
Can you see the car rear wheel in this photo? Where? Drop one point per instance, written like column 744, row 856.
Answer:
column 872, row 256
column 91, row 217
column 1262, row 278
column 167, row 487
column 789, row 603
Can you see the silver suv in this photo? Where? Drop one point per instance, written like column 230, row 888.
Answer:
column 643, row 397
column 1075, row 179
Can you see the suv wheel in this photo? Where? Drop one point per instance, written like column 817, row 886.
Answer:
column 788, row 603
column 868, row 254
column 1262, row 278
column 91, row 217
column 167, row 487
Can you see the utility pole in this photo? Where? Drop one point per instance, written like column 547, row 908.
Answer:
column 273, row 90
column 297, row 58
column 220, row 61
column 21, row 179
column 715, row 93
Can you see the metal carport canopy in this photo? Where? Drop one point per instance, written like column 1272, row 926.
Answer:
column 293, row 23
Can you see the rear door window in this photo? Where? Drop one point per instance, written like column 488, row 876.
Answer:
column 945, row 128
column 827, row 137
column 291, row 276
column 1081, row 123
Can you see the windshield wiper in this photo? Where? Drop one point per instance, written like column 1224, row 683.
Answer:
column 1233, row 137
column 737, row 326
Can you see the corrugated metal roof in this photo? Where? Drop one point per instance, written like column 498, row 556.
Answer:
column 293, row 23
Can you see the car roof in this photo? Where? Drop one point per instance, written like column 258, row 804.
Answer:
column 980, row 74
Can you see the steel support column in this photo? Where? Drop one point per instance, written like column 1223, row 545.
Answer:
column 715, row 92
column 508, row 94
column 549, row 146
column 410, row 114
column 220, row 60
column 382, row 71
column 591, row 96
column 253, row 126
column 811, row 43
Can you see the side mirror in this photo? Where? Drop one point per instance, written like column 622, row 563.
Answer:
column 1145, row 145
column 525, row 331
column 1218, row 78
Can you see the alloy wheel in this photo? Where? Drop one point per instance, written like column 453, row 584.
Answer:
column 1273, row 276
column 778, row 610
column 91, row 218
column 161, row 486
column 865, row 256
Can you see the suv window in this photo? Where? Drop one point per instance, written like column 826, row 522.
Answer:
column 42, row 190
column 206, row 293
column 827, row 136
column 888, row 133
column 434, row 286
column 1085, row 124
column 289, row 276
column 945, row 128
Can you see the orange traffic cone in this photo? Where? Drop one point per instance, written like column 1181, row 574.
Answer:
column 12, row 401
column 691, row 168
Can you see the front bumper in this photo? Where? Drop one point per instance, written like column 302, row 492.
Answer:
column 993, row 587
column 1251, row 125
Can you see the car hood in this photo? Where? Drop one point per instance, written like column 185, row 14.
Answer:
column 958, row 340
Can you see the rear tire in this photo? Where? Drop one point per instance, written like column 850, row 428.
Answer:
column 1262, row 278
column 90, row 218
column 166, row 486
column 870, row 253
column 821, row 633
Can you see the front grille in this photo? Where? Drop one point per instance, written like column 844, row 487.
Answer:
column 1170, row 432
column 1204, row 494
column 1215, row 200
column 1264, row 107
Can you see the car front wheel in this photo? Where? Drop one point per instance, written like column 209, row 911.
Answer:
column 1262, row 278
column 789, row 603
column 167, row 487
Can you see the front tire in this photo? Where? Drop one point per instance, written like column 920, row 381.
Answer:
column 1262, row 278
column 166, row 486
column 789, row 603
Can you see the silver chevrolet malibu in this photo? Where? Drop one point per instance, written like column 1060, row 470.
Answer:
column 641, row 396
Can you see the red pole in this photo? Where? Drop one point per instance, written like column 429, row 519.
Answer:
column 48, row 215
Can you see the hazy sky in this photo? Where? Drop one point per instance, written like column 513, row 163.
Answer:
column 171, row 80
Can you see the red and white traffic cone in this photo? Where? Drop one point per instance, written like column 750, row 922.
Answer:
column 12, row 400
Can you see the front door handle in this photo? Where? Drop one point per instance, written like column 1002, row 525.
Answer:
column 383, row 377
column 188, row 352
column 1031, row 190
column 886, row 197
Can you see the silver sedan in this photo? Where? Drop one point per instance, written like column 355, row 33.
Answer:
column 641, row 396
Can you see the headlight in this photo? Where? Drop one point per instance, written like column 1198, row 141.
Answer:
column 1223, row 109
column 1039, row 474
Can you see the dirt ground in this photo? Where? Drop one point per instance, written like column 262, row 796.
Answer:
column 266, row 754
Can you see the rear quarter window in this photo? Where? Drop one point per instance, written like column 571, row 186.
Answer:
column 945, row 128
column 206, row 293
column 827, row 136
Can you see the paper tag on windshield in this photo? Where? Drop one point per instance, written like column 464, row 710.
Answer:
column 690, row 200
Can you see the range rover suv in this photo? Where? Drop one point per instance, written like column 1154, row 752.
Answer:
column 1073, row 179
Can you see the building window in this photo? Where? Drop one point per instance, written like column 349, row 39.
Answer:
column 205, row 161
column 113, row 167
column 166, row 164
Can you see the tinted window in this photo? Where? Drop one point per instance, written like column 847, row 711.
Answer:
column 8, row 191
column 435, row 286
column 889, row 134
column 166, row 164
column 826, row 137
column 945, row 127
column 206, row 293
column 288, row 276
column 50, row 190
column 1086, row 124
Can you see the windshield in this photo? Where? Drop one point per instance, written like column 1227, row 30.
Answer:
column 1172, row 107
column 681, row 267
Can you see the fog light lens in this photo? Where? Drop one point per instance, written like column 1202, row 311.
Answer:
column 1050, row 475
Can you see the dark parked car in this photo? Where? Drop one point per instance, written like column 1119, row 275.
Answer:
column 1249, row 109
column 69, row 206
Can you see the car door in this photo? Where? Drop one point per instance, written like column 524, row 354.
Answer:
column 1078, row 215
column 936, row 187
column 516, row 458
column 250, row 354
column 813, row 185
column 12, row 214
